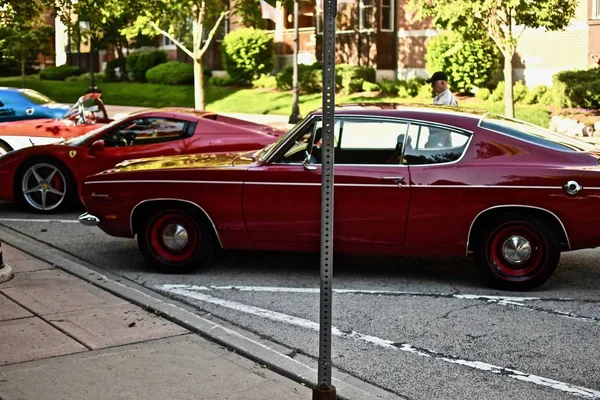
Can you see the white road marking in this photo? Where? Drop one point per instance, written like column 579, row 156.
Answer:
column 186, row 291
column 62, row 221
column 500, row 300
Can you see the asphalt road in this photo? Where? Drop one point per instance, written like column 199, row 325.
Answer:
column 421, row 328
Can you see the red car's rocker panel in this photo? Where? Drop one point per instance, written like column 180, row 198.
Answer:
column 151, row 133
column 414, row 181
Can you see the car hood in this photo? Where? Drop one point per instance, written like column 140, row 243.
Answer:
column 35, row 127
column 215, row 160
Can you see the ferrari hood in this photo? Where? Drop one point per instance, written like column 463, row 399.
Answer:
column 174, row 162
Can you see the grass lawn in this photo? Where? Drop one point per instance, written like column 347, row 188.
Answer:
column 240, row 100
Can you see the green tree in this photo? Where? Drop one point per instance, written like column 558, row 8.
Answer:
column 172, row 18
column 24, row 38
column 498, row 20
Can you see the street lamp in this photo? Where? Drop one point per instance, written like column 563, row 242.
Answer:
column 295, row 117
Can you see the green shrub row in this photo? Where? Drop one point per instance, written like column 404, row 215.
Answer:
column 139, row 62
column 521, row 94
column 59, row 73
column 580, row 88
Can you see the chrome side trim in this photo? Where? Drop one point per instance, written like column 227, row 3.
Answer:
column 485, row 187
column 165, row 181
column 176, row 200
column 521, row 206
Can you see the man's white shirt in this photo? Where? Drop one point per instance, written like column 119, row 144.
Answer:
column 445, row 98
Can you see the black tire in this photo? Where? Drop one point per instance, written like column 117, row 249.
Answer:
column 63, row 181
column 4, row 148
column 494, row 250
column 197, row 250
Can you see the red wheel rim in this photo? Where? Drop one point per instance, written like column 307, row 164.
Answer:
column 162, row 239
column 517, row 251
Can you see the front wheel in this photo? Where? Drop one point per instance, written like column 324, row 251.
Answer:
column 44, row 186
column 176, row 241
column 517, row 252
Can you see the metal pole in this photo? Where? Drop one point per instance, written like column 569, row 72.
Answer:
column 324, row 389
column 295, row 117
column 93, row 87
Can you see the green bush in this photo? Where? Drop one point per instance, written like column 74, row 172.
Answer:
column 310, row 78
column 577, row 89
column 468, row 63
column 483, row 94
column 370, row 87
column 59, row 73
column 139, row 62
column 351, row 77
column 171, row 73
column 221, row 81
column 519, row 92
column 535, row 95
column 425, row 92
column 547, row 98
column 247, row 53
column 498, row 93
column 265, row 81
column 388, row 87
column 98, row 77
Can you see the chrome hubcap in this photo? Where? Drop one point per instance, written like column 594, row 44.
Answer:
column 39, row 187
column 175, row 237
column 516, row 249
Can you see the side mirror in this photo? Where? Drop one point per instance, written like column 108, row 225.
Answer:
column 306, row 162
column 97, row 147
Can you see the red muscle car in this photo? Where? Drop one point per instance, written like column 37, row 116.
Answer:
column 46, row 178
column 87, row 114
column 410, row 180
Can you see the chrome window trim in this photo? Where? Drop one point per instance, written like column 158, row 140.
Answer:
column 515, row 205
column 175, row 200
column 408, row 121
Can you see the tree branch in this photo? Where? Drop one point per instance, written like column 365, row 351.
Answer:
column 177, row 42
column 212, row 33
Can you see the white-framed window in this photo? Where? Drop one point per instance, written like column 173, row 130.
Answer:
column 595, row 9
column 386, row 23
column 366, row 16
column 167, row 41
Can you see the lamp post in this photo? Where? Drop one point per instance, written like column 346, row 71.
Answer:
column 295, row 117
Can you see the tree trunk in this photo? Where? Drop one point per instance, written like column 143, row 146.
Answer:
column 122, row 63
column 198, row 84
column 509, row 106
column 22, row 72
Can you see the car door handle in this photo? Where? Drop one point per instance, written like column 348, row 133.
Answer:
column 398, row 179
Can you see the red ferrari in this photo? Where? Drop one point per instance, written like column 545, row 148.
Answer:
column 86, row 115
column 46, row 178
column 411, row 180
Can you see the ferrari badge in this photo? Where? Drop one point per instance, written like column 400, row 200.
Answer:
column 72, row 153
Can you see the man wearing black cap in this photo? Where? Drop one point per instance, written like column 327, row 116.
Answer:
column 439, row 82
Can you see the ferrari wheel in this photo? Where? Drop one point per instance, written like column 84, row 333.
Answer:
column 176, row 240
column 517, row 253
column 44, row 186
column 4, row 148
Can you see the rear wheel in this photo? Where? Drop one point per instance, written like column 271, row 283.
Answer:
column 4, row 148
column 44, row 186
column 176, row 240
column 517, row 252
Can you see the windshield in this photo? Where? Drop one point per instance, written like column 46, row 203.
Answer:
column 266, row 152
column 80, row 140
column 534, row 134
column 35, row 97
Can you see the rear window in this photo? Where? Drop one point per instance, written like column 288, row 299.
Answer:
column 534, row 134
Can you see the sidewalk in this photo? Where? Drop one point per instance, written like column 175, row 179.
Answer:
column 63, row 338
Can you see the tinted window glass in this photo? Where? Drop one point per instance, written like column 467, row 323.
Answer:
column 534, row 134
column 145, row 131
column 433, row 145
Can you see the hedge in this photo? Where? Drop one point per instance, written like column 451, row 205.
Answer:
column 59, row 73
column 139, row 62
column 171, row 73
column 577, row 89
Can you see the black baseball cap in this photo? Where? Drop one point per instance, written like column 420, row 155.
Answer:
column 438, row 76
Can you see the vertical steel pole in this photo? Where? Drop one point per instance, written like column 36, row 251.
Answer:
column 295, row 117
column 324, row 389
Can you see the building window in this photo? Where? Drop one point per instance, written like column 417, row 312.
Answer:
column 596, row 9
column 387, row 15
column 366, row 17
column 167, row 41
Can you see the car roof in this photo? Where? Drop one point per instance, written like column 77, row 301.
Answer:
column 387, row 108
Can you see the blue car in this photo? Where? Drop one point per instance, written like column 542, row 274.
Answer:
column 23, row 104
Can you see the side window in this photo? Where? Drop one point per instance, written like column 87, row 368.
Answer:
column 146, row 131
column 309, row 139
column 370, row 142
column 433, row 145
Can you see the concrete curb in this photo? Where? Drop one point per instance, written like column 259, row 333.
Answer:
column 281, row 359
